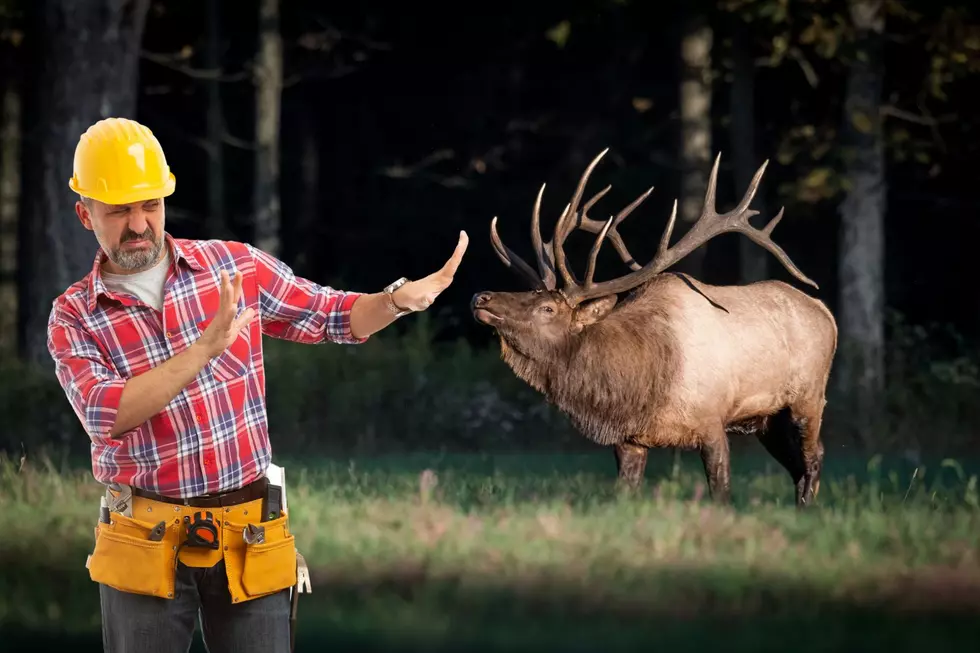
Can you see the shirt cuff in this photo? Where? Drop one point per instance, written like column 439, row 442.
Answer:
column 338, row 322
column 103, row 408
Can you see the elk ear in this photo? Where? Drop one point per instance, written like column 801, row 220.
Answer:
column 593, row 311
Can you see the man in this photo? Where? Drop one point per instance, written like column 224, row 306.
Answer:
column 159, row 351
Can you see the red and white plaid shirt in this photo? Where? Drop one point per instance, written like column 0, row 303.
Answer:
column 214, row 435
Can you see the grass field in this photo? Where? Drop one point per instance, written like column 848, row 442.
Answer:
column 521, row 552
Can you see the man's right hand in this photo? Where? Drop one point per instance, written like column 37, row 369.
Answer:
column 225, row 326
column 148, row 393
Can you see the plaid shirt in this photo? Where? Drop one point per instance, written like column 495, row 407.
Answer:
column 213, row 436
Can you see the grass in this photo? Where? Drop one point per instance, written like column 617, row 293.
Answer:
column 543, row 551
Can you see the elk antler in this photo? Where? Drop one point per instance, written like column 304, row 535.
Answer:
column 544, row 279
column 516, row 263
column 545, row 252
column 709, row 224
column 551, row 255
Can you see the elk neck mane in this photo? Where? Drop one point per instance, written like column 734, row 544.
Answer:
column 611, row 378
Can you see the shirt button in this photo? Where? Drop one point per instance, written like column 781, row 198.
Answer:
column 170, row 334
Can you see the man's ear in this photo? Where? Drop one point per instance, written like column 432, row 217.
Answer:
column 592, row 311
column 81, row 210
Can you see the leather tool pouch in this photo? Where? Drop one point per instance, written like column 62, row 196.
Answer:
column 126, row 559
column 260, row 568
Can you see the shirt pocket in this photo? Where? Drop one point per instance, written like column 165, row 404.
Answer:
column 236, row 359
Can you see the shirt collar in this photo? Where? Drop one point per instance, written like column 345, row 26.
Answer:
column 97, row 286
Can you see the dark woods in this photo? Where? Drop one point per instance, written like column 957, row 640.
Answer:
column 355, row 140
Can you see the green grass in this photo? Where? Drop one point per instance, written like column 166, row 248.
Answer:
column 544, row 551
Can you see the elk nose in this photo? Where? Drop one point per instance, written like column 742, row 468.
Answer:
column 481, row 299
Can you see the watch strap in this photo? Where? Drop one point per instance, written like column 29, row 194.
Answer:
column 389, row 291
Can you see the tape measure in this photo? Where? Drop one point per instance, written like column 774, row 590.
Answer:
column 202, row 532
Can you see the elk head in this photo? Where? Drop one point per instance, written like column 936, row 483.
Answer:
column 547, row 320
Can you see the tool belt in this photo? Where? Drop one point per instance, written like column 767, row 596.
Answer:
column 137, row 549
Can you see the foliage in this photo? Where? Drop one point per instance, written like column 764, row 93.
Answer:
column 408, row 390
column 402, row 392
column 932, row 52
column 398, row 391
column 932, row 374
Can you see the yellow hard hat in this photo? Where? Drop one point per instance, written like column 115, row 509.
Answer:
column 118, row 161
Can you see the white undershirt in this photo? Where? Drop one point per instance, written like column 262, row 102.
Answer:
column 147, row 285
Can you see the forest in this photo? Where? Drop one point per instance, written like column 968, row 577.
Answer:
column 354, row 141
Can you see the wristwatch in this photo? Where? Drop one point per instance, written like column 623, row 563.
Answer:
column 388, row 290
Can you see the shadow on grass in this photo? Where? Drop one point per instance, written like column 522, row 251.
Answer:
column 410, row 610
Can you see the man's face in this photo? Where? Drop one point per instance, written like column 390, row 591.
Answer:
column 130, row 234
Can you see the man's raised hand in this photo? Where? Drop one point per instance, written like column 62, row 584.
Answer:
column 225, row 326
column 419, row 295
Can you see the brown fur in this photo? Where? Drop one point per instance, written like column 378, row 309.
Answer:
column 666, row 368
column 666, row 363
column 611, row 379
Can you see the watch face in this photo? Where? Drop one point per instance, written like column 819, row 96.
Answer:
column 395, row 284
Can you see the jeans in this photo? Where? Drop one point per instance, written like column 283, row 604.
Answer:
column 134, row 623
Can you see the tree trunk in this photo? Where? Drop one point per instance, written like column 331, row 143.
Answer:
column 695, row 109
column 87, row 66
column 753, row 265
column 861, row 359
column 268, row 98
column 215, row 220
column 10, row 148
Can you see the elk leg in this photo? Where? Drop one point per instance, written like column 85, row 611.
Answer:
column 631, row 463
column 782, row 439
column 717, row 465
column 815, row 467
column 808, row 418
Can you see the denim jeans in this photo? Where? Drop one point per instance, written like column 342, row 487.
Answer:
column 134, row 623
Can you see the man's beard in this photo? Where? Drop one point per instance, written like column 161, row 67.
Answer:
column 135, row 259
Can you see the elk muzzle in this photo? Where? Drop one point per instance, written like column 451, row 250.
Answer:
column 479, row 307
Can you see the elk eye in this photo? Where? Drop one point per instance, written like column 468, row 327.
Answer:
column 547, row 309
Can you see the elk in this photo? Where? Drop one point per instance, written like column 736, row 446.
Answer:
column 676, row 362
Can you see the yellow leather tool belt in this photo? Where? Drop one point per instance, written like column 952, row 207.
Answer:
column 130, row 557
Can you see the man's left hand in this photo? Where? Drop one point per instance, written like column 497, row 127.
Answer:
column 420, row 294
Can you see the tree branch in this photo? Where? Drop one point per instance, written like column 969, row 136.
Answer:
column 419, row 170
column 339, row 35
column 805, row 66
column 333, row 73
column 234, row 141
column 908, row 116
column 211, row 75
column 204, row 144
